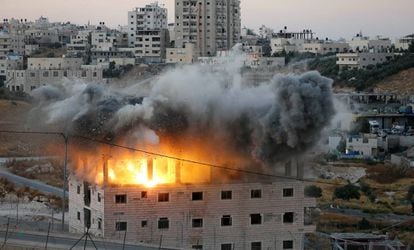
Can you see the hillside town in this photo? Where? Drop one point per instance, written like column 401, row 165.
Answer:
column 203, row 133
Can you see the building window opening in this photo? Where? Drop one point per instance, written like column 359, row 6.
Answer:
column 163, row 197
column 255, row 219
column 120, row 198
column 197, row 196
column 226, row 220
column 163, row 223
column 226, row 195
column 288, row 217
column 197, row 222
column 121, row 226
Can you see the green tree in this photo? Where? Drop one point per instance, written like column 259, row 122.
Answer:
column 364, row 224
column 347, row 192
column 341, row 146
column 410, row 197
column 411, row 47
column 313, row 191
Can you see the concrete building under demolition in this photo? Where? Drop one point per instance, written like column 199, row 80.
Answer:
column 193, row 211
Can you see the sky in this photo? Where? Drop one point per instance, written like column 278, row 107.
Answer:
column 328, row 18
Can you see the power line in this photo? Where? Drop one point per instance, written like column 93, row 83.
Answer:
column 185, row 160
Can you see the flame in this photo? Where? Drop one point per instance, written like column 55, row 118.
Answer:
column 128, row 168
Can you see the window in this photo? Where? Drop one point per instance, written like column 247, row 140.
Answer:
column 256, row 246
column 99, row 197
column 227, row 246
column 163, row 197
column 197, row 222
column 288, row 192
column 256, row 193
column 55, row 74
column 46, row 74
column 197, row 247
column 288, row 217
column 197, row 196
column 99, row 223
column 78, row 189
column 121, row 226
column 144, row 194
column 226, row 220
column 144, row 223
column 163, row 223
column 288, row 244
column 120, row 198
column 255, row 219
column 78, row 215
column 226, row 195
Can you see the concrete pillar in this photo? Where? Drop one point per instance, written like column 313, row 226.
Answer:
column 150, row 169
column 105, row 172
column 178, row 172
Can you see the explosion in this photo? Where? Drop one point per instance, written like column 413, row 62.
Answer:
column 197, row 112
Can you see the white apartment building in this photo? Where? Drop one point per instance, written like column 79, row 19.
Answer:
column 213, row 25
column 29, row 49
column 151, row 45
column 403, row 43
column 148, row 32
column 10, row 62
column 150, row 17
column 4, row 52
column 324, row 47
column 43, row 71
column 286, row 44
column 362, row 43
column 361, row 60
column 79, row 43
column 255, row 215
column 366, row 145
column 186, row 55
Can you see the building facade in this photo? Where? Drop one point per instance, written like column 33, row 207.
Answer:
column 213, row 25
column 256, row 215
column 377, row 44
column 43, row 71
column 186, row 55
column 325, row 47
column 148, row 32
column 361, row 60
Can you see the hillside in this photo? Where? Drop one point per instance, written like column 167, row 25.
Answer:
column 14, row 116
column 400, row 83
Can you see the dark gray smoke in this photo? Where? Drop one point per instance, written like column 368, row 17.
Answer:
column 268, row 123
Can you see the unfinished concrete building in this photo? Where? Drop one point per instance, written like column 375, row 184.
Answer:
column 192, row 211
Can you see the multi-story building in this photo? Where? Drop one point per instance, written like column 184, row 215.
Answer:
column 4, row 52
column 148, row 32
column 42, row 71
column 404, row 43
column 361, row 60
column 186, row 55
column 79, row 43
column 213, row 25
column 323, row 47
column 251, row 215
column 151, row 45
column 362, row 43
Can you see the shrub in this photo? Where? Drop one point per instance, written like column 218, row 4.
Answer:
column 313, row 191
column 364, row 224
column 347, row 192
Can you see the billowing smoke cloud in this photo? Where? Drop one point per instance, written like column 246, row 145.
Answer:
column 267, row 123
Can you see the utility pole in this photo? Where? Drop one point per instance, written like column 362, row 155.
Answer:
column 66, row 138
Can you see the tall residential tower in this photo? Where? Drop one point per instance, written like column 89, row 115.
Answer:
column 212, row 25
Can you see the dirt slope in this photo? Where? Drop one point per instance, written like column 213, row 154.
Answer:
column 401, row 83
